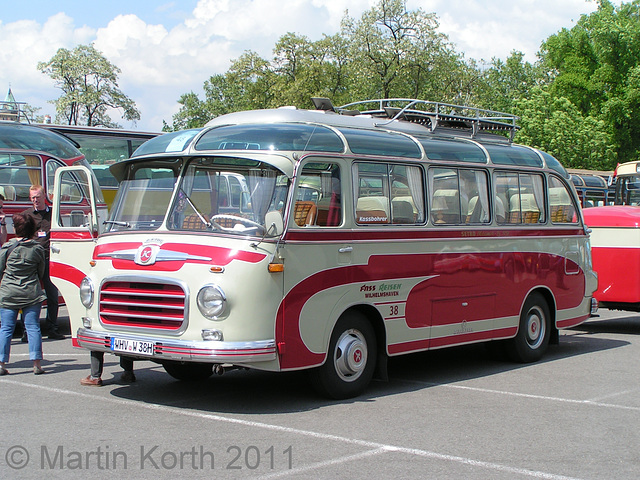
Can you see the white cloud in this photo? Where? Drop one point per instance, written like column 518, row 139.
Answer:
column 158, row 64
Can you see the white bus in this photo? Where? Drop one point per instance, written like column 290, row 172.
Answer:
column 329, row 240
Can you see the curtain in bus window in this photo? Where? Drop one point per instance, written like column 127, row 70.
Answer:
column 414, row 176
column 261, row 186
column 34, row 175
column 538, row 193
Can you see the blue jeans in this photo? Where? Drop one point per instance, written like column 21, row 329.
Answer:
column 31, row 317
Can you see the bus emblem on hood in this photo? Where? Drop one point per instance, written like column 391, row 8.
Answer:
column 146, row 254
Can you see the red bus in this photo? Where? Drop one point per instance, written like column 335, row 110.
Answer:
column 30, row 155
column 615, row 242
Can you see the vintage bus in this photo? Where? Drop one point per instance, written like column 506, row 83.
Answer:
column 103, row 147
column 616, row 242
column 593, row 189
column 329, row 240
column 30, row 156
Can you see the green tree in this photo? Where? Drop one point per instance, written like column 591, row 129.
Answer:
column 400, row 53
column 389, row 52
column 596, row 66
column 90, row 87
column 504, row 83
column 558, row 127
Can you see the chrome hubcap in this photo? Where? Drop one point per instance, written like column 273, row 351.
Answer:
column 536, row 327
column 350, row 356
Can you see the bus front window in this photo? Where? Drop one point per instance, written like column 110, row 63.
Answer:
column 229, row 195
column 143, row 199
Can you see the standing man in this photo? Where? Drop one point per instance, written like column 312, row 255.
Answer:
column 41, row 214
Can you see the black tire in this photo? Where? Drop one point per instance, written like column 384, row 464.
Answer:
column 188, row 371
column 351, row 359
column 533, row 331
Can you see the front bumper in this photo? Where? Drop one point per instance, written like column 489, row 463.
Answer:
column 189, row 351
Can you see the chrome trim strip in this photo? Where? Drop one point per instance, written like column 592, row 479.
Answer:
column 171, row 349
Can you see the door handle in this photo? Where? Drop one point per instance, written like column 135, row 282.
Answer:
column 345, row 249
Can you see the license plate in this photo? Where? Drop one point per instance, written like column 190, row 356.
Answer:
column 136, row 347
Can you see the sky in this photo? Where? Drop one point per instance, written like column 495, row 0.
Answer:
column 166, row 49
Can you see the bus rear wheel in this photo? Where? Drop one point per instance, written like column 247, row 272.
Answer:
column 188, row 371
column 351, row 359
column 533, row 332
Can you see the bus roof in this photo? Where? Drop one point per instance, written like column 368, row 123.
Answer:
column 390, row 132
column 27, row 137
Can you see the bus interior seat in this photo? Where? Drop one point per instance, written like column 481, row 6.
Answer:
column 304, row 213
column 476, row 212
column 372, row 210
column 402, row 212
column 524, row 209
column 193, row 222
column 445, row 206
column 561, row 207
column 8, row 192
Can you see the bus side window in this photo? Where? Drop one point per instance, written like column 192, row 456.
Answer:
column 519, row 198
column 474, row 186
column 561, row 207
column 407, row 195
column 372, row 193
column 318, row 196
column 445, row 196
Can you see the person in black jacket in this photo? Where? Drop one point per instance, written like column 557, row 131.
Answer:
column 41, row 214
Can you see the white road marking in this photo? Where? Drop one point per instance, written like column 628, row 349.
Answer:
column 377, row 448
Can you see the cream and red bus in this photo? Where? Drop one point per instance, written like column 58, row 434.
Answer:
column 616, row 242
column 329, row 240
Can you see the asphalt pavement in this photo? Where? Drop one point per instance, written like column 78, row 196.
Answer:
column 453, row 413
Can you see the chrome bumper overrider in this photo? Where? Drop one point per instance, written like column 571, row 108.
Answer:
column 194, row 351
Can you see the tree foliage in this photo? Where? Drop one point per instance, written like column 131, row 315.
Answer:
column 580, row 100
column 596, row 67
column 90, row 87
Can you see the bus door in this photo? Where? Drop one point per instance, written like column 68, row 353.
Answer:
column 317, row 258
column 73, row 235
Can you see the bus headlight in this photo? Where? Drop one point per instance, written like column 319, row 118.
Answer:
column 86, row 292
column 211, row 301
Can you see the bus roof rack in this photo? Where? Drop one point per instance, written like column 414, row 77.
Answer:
column 430, row 114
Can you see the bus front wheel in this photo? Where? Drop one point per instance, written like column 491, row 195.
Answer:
column 351, row 359
column 188, row 371
column 533, row 332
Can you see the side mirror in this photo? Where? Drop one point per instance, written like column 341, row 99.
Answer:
column 274, row 223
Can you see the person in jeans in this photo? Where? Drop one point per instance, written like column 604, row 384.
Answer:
column 22, row 267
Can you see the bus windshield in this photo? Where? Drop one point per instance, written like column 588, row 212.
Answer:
column 227, row 195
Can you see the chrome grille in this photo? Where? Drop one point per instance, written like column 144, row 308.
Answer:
column 142, row 304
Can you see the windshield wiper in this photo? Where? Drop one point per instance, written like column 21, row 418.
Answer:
column 115, row 222
column 195, row 209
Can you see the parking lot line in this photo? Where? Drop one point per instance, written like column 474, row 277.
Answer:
column 376, row 447
column 593, row 402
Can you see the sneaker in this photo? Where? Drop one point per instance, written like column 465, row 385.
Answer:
column 56, row 336
column 3, row 371
column 128, row 376
column 38, row 371
column 91, row 382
